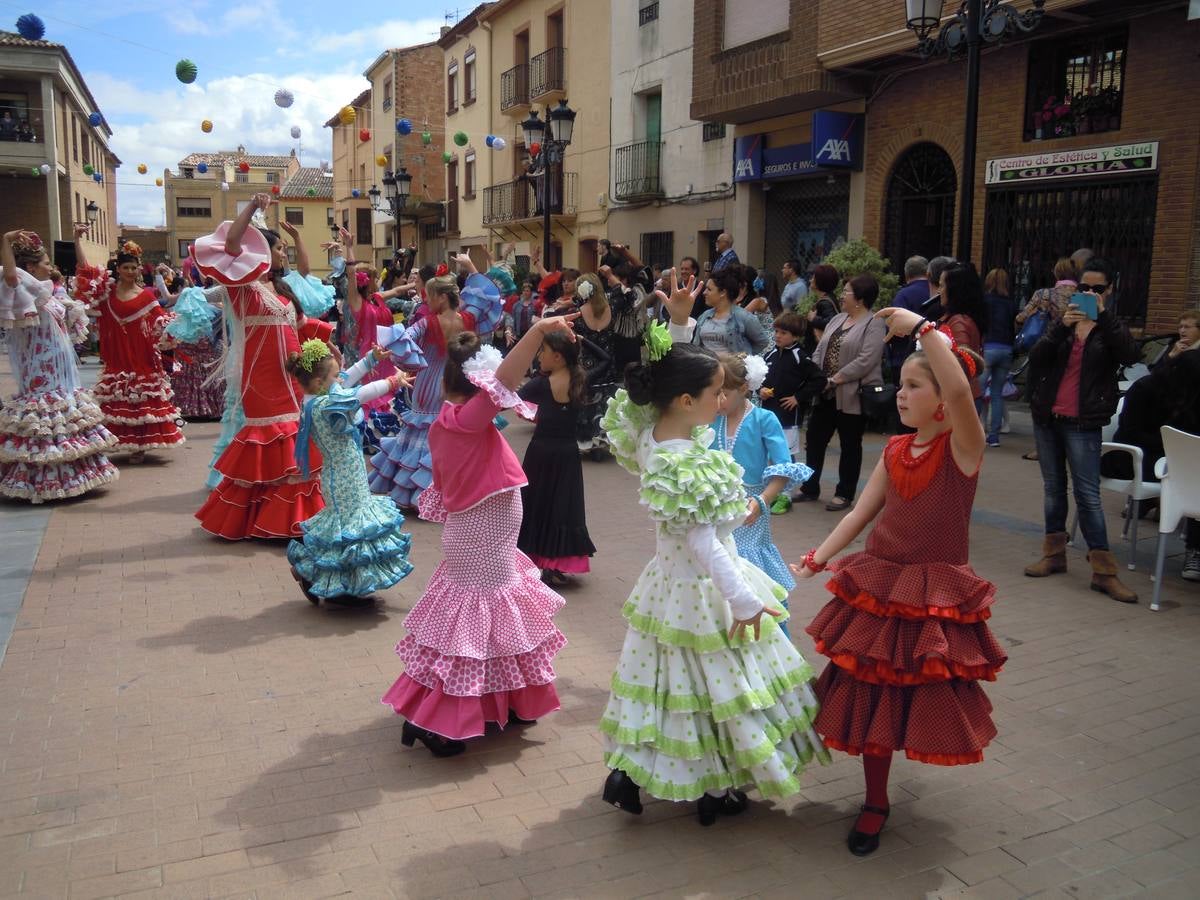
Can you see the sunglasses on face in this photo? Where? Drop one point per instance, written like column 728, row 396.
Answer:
column 1092, row 288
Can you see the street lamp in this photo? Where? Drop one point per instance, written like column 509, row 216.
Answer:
column 92, row 211
column 553, row 137
column 975, row 22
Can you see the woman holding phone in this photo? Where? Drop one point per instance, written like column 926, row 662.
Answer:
column 1073, row 394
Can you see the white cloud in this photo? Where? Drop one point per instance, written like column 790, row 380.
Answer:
column 378, row 37
column 159, row 128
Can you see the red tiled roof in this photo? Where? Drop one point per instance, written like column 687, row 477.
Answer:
column 232, row 156
column 307, row 178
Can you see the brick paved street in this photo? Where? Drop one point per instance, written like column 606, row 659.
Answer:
column 178, row 722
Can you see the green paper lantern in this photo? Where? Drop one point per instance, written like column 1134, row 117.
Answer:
column 36, row 171
column 447, row 157
column 426, row 138
column 185, row 71
column 312, row 192
column 460, row 138
column 87, row 169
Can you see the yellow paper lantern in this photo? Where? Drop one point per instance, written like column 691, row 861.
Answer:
column 381, row 161
column 206, row 126
column 347, row 115
column 141, row 168
column 158, row 182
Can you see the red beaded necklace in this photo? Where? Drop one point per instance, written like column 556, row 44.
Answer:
column 911, row 474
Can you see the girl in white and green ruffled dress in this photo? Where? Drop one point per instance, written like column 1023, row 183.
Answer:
column 709, row 694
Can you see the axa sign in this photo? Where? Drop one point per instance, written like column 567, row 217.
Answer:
column 837, row 139
column 747, row 157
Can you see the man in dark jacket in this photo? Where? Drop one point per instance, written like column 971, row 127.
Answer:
column 1073, row 394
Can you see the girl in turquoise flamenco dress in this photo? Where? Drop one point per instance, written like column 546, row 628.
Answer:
column 354, row 546
column 709, row 694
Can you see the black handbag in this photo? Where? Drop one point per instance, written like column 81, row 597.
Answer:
column 878, row 401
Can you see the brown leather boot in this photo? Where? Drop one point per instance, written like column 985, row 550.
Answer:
column 1104, row 577
column 1054, row 556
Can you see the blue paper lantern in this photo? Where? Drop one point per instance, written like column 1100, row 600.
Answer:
column 403, row 126
column 355, row 193
column 202, row 167
column 95, row 119
column 489, row 139
column 97, row 177
column 31, row 27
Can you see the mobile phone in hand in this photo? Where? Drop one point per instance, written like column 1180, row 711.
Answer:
column 1087, row 304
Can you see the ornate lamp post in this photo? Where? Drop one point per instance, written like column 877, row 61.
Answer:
column 92, row 211
column 976, row 22
column 552, row 137
column 397, row 187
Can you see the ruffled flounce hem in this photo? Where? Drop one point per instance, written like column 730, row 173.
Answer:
column 236, row 511
column 561, row 542
column 49, row 415
column 944, row 722
column 265, row 453
column 463, row 676
column 795, row 473
column 195, row 401
column 348, row 581
column 900, row 651
column 133, row 389
column 912, row 591
column 45, row 451
column 485, row 621
column 460, row 718
column 147, row 436
column 568, row 565
column 403, row 467
column 58, row 481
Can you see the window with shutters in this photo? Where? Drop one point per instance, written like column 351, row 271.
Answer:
column 193, row 207
column 362, row 226
column 294, row 215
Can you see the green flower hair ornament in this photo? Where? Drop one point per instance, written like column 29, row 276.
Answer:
column 312, row 352
column 658, row 341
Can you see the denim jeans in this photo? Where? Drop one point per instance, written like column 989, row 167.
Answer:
column 1060, row 444
column 998, row 362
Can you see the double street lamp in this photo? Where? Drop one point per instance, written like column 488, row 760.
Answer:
column 550, row 138
column 92, row 211
column 976, row 22
column 397, row 188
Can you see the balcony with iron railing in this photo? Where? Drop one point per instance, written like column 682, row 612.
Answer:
column 514, row 89
column 548, row 74
column 639, row 170
column 521, row 199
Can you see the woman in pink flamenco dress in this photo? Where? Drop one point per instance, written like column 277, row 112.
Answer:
column 263, row 493
column 482, row 639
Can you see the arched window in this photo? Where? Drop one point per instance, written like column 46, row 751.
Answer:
column 920, row 205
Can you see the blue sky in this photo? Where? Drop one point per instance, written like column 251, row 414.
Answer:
column 127, row 52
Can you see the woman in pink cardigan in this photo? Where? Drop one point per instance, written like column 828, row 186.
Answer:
column 481, row 640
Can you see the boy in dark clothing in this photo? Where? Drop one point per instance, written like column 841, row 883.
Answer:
column 793, row 381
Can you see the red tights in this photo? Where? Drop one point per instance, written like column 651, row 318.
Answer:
column 875, row 771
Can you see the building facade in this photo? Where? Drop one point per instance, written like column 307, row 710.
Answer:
column 1087, row 138
column 154, row 241
column 306, row 201
column 671, row 179
column 210, row 188
column 353, row 166
column 44, row 97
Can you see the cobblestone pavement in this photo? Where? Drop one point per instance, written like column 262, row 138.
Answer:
column 177, row 721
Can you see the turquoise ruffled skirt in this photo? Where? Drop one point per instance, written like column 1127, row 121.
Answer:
column 352, row 555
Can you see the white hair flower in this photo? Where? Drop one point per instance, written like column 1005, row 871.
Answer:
column 756, row 372
column 486, row 359
column 584, row 290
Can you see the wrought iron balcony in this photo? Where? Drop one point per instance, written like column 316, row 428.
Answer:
column 639, row 170
column 521, row 198
column 514, row 88
column 548, row 73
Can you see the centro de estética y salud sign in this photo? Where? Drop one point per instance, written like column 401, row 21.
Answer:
column 1085, row 161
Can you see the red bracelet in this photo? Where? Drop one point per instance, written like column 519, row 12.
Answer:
column 810, row 562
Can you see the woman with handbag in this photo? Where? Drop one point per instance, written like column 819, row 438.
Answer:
column 851, row 356
column 997, row 347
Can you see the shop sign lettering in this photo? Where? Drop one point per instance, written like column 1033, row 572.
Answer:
column 1082, row 162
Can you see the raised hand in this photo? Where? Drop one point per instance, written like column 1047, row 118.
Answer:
column 738, row 629
column 900, row 322
column 262, row 201
column 289, row 228
column 681, row 299
column 80, row 229
column 558, row 323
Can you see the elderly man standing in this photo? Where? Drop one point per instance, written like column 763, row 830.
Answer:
column 725, row 255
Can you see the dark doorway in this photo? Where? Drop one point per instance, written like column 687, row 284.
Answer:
column 920, row 205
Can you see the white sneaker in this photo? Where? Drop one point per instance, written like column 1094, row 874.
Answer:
column 1191, row 565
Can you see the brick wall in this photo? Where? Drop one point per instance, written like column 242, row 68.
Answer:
column 420, row 96
column 1161, row 69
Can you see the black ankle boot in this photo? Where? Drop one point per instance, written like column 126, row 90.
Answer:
column 709, row 807
column 860, row 842
column 435, row 743
column 622, row 792
column 514, row 719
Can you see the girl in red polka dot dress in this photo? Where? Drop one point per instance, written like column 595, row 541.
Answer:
column 905, row 632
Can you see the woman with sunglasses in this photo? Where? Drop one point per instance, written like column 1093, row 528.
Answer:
column 1073, row 394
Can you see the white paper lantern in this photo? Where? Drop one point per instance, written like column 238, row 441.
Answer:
column 45, row 167
column 284, row 98
column 224, row 185
column 296, row 132
column 498, row 143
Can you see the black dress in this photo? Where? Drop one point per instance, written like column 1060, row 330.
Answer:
column 554, row 527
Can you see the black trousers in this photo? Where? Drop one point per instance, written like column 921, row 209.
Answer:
column 824, row 422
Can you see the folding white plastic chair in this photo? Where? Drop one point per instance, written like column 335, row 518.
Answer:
column 1180, row 474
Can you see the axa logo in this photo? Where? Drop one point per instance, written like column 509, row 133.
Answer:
column 745, row 168
column 835, row 150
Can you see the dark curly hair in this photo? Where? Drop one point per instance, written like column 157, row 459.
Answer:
column 686, row 369
column 459, row 349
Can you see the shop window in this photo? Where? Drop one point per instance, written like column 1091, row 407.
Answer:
column 193, row 207
column 1076, row 85
column 294, row 215
column 806, row 218
column 658, row 248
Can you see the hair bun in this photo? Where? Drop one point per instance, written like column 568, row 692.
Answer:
column 639, row 382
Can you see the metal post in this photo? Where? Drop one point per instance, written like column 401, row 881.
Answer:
column 547, row 171
column 966, row 206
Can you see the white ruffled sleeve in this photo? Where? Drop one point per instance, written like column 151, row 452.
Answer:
column 20, row 303
column 682, row 334
column 712, row 559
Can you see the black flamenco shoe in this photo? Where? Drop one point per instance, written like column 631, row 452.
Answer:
column 861, row 843
column 709, row 807
column 306, row 587
column 352, row 600
column 436, row 744
column 622, row 792
column 514, row 719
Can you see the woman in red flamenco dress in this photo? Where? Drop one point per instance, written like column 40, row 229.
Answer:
column 262, row 493
column 906, row 632
column 133, row 390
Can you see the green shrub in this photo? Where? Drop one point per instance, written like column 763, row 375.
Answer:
column 857, row 257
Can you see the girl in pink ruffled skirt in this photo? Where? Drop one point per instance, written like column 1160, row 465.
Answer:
column 482, row 639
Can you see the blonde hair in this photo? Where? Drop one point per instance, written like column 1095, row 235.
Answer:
column 735, row 370
column 996, row 282
column 1064, row 270
column 443, row 284
column 599, row 299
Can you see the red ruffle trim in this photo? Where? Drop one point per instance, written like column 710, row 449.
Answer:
column 866, row 602
column 937, row 759
column 264, row 453
column 238, row 511
column 878, row 671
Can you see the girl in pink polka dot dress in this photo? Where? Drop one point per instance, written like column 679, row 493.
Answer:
column 482, row 639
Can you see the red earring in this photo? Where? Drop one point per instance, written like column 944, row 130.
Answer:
column 939, row 414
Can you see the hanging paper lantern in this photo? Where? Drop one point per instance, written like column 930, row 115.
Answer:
column 381, row 160
column 535, row 148
column 185, row 71
column 243, row 167
column 202, row 167
column 347, row 115
column 206, row 126
column 97, row 177
column 447, row 157
column 490, row 139
column 284, row 98
column 275, row 189
column 36, row 171
column 141, row 168
column 88, row 169
column 499, row 144
column 426, row 138
column 224, row 185
column 45, row 168
column 158, row 182
column 31, row 27
column 460, row 138
column 364, row 135
column 403, row 126
column 312, row 192
column 356, row 193
column 296, row 132
column 94, row 119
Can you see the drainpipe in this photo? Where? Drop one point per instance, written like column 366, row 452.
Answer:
column 487, row 26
